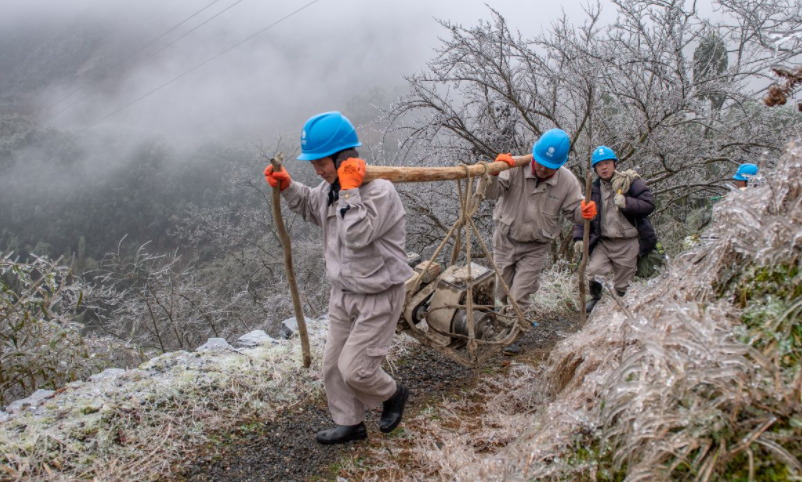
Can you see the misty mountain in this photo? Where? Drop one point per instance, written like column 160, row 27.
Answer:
column 30, row 62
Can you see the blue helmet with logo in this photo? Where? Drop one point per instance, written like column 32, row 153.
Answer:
column 602, row 153
column 745, row 170
column 326, row 134
column 551, row 150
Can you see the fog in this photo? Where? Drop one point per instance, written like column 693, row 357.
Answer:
column 111, row 123
column 316, row 60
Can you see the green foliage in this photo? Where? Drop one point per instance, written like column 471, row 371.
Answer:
column 772, row 326
column 767, row 470
column 594, row 460
column 40, row 344
column 710, row 62
column 781, row 281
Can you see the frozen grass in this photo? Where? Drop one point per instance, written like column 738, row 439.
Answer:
column 138, row 425
column 135, row 426
column 557, row 295
column 702, row 381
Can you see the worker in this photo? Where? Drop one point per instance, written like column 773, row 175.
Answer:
column 366, row 265
column 744, row 173
column 621, row 232
column 527, row 215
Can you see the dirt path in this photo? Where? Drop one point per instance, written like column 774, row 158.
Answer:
column 285, row 449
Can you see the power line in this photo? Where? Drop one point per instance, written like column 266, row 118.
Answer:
column 129, row 58
column 199, row 26
column 155, row 53
column 198, row 66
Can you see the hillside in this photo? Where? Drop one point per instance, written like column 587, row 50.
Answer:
column 695, row 374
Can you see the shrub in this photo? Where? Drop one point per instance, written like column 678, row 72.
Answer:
column 40, row 340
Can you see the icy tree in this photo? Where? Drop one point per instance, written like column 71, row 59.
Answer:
column 675, row 94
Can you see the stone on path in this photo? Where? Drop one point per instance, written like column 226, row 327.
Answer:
column 289, row 327
column 214, row 344
column 107, row 374
column 31, row 402
column 254, row 339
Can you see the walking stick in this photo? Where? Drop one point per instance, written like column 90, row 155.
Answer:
column 584, row 262
column 277, row 163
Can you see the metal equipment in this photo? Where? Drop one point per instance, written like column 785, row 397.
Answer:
column 438, row 311
column 454, row 311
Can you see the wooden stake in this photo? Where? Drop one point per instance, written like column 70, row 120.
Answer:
column 426, row 174
column 585, row 250
column 277, row 163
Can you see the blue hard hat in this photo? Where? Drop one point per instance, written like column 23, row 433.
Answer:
column 602, row 153
column 745, row 169
column 326, row 134
column 551, row 150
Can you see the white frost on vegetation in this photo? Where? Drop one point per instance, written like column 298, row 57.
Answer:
column 132, row 425
column 654, row 388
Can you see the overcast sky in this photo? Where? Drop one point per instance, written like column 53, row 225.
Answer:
column 312, row 62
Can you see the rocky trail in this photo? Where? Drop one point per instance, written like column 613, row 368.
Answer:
column 284, row 447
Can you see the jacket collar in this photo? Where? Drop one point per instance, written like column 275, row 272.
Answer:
column 529, row 174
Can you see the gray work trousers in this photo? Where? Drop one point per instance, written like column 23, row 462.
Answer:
column 520, row 265
column 618, row 255
column 361, row 328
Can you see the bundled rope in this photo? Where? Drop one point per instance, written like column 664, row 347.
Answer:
column 623, row 180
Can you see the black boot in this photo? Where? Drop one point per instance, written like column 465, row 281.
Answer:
column 342, row 433
column 595, row 295
column 393, row 409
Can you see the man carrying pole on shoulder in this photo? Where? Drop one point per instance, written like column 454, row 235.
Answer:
column 366, row 265
column 527, row 214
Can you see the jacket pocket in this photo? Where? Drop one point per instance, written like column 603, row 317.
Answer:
column 374, row 356
column 365, row 272
column 551, row 226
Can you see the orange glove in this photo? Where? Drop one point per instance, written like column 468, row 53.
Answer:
column 274, row 178
column 505, row 158
column 351, row 173
column 588, row 210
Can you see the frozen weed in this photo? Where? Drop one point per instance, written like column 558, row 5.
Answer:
column 40, row 341
column 703, row 382
column 135, row 426
column 557, row 295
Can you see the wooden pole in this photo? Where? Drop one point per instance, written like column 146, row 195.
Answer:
column 277, row 163
column 426, row 174
column 585, row 250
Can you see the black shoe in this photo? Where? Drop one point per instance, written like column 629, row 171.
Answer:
column 621, row 293
column 595, row 295
column 342, row 433
column 513, row 349
column 393, row 409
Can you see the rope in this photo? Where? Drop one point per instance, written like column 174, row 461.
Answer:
column 470, row 201
column 621, row 181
